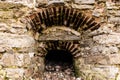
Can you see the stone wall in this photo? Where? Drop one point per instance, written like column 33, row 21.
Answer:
column 100, row 49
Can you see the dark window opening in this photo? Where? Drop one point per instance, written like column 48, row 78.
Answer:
column 59, row 61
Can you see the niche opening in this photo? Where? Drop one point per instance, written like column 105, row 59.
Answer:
column 60, row 61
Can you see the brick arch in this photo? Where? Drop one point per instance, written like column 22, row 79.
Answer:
column 71, row 47
column 60, row 16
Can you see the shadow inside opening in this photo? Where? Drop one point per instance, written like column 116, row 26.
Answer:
column 59, row 61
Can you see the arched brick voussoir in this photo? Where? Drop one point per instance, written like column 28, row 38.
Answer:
column 60, row 16
column 71, row 47
column 42, row 51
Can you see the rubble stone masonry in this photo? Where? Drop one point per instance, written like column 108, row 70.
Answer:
column 20, row 48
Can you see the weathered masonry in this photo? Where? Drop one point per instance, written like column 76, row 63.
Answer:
column 60, row 17
column 59, row 39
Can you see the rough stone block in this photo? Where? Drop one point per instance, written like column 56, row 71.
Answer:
column 82, row 6
column 3, row 27
column 100, row 49
column 114, row 13
column 6, row 14
column 55, row 1
column 15, row 28
column 14, row 73
column 14, row 40
column 108, row 39
column 85, row 1
column 106, row 70
column 7, row 60
column 112, row 59
column 15, row 59
column 26, row 59
column 115, row 20
column 111, row 6
column 97, row 59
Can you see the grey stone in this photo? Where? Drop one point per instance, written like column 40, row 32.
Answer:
column 84, row 1
column 114, row 12
column 26, row 59
column 108, row 39
column 12, row 60
column 111, row 5
column 15, row 59
column 98, row 12
column 17, row 31
column 55, row 1
column 29, row 71
column 14, row 28
column 14, row 40
column 59, row 33
column 82, row 6
column 110, row 59
column 114, row 58
column 3, row 27
column 115, row 20
column 107, row 29
column 14, row 73
column 107, row 70
column 6, row 14
column 78, row 79
column 97, row 59
column 100, row 49
column 7, row 60
column 17, row 28
column 2, row 50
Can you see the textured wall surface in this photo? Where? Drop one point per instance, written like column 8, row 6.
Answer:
column 100, row 49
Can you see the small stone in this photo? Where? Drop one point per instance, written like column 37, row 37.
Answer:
column 78, row 79
column 29, row 72
column 31, row 54
column 68, row 71
column 48, row 76
column 61, row 75
column 57, row 68
column 12, row 30
column 2, row 50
